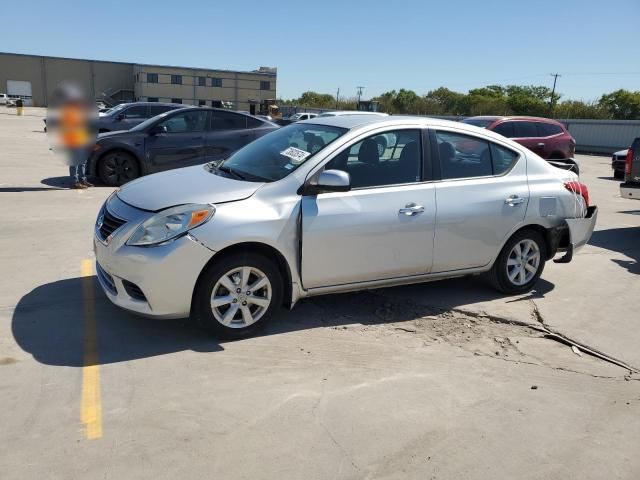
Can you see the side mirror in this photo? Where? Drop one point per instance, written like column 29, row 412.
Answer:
column 158, row 129
column 330, row 181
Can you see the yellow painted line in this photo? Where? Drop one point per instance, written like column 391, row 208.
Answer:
column 90, row 408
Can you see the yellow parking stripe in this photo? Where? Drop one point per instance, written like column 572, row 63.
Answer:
column 90, row 408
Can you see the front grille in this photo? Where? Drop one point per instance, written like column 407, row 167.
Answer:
column 110, row 223
column 106, row 279
column 133, row 290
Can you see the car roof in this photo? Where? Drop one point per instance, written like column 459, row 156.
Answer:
column 513, row 117
column 353, row 122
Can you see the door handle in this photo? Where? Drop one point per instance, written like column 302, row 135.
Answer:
column 197, row 138
column 411, row 209
column 540, row 145
column 513, row 200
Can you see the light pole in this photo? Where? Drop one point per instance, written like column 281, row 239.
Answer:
column 553, row 90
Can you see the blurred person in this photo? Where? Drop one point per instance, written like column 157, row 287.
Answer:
column 73, row 119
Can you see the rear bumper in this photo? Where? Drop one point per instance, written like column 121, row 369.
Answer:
column 630, row 190
column 578, row 232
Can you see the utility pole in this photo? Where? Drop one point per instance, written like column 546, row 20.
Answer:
column 359, row 93
column 553, row 90
column 337, row 97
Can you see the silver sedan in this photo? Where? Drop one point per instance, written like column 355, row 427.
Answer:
column 319, row 207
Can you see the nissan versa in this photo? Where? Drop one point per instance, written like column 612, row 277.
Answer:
column 316, row 207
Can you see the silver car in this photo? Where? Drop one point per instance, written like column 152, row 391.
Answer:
column 316, row 208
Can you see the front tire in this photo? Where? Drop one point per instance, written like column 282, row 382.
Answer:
column 520, row 263
column 117, row 168
column 237, row 295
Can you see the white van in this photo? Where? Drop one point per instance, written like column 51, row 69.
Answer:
column 3, row 98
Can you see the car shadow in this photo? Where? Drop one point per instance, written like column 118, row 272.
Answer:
column 621, row 240
column 50, row 321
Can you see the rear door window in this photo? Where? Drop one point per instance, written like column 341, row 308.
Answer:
column 502, row 158
column 228, row 121
column 525, row 130
column 549, row 129
column 463, row 156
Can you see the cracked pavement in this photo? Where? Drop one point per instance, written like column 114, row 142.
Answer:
column 440, row 380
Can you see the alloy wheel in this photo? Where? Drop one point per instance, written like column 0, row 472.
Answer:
column 523, row 262
column 241, row 297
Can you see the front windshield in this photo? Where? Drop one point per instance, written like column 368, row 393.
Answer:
column 277, row 154
column 478, row 122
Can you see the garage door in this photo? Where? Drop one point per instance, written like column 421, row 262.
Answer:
column 20, row 88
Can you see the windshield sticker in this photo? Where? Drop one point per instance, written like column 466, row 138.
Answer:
column 296, row 155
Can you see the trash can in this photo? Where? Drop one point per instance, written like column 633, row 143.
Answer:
column 19, row 106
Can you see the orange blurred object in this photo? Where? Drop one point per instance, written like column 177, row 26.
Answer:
column 74, row 126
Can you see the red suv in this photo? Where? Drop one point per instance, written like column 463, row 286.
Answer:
column 547, row 138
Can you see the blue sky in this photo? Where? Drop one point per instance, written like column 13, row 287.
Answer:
column 325, row 45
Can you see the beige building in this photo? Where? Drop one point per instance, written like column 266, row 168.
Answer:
column 35, row 77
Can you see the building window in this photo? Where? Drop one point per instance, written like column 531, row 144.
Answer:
column 216, row 82
column 152, row 99
column 216, row 103
column 202, row 81
column 152, row 78
column 176, row 79
column 176, row 100
column 202, row 103
column 265, row 85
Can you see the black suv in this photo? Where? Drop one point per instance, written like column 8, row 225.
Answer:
column 174, row 139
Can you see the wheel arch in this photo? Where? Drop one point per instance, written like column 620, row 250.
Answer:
column 553, row 238
column 263, row 249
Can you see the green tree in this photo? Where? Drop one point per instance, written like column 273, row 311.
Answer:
column 621, row 104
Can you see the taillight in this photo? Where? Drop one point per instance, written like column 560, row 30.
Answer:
column 579, row 189
column 627, row 162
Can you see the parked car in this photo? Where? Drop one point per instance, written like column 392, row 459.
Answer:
column 128, row 115
column 174, row 139
column 296, row 117
column 3, row 98
column 230, row 242
column 618, row 160
column 631, row 186
column 548, row 138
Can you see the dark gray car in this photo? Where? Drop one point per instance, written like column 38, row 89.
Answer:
column 128, row 115
column 174, row 139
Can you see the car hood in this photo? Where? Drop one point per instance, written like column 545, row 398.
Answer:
column 621, row 153
column 184, row 185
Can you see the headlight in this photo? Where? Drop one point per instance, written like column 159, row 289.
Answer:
column 170, row 224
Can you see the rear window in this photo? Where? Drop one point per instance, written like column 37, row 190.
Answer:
column 254, row 122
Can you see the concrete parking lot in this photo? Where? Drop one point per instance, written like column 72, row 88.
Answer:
column 439, row 380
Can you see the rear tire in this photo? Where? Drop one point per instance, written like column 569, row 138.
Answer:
column 237, row 295
column 520, row 263
column 117, row 168
column 619, row 174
